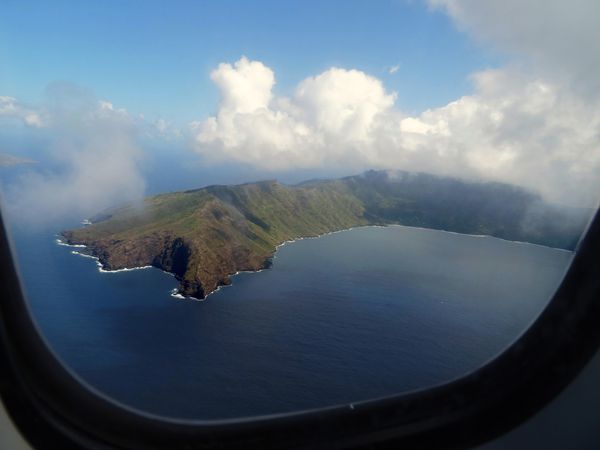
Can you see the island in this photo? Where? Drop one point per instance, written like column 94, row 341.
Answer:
column 206, row 235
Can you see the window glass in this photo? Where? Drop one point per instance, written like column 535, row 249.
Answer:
column 232, row 209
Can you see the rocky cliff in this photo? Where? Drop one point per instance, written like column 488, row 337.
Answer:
column 204, row 236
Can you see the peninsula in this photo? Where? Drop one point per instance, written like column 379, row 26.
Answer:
column 204, row 236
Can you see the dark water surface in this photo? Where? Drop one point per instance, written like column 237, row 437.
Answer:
column 346, row 317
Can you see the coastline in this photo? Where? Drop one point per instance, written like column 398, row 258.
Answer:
column 291, row 241
column 177, row 295
column 419, row 228
column 481, row 236
column 98, row 263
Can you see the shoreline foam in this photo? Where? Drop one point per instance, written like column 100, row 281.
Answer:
column 479, row 236
column 290, row 241
column 175, row 294
column 64, row 244
column 101, row 268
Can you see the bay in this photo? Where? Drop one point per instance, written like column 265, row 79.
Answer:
column 345, row 317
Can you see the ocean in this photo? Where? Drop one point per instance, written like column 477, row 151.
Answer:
column 342, row 318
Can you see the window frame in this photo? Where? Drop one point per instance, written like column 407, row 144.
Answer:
column 53, row 408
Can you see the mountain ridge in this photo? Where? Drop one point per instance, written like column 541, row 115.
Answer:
column 205, row 235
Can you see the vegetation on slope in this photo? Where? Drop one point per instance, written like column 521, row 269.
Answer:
column 203, row 236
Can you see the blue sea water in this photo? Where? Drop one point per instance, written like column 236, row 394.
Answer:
column 342, row 318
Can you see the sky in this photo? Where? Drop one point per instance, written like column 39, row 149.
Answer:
column 154, row 57
column 111, row 93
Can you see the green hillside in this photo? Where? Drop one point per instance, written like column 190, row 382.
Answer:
column 203, row 236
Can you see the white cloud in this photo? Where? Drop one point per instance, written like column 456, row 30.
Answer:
column 514, row 128
column 95, row 149
column 106, row 105
column 392, row 70
column 519, row 130
column 556, row 38
column 343, row 104
column 94, row 146
column 10, row 107
column 336, row 107
column 245, row 86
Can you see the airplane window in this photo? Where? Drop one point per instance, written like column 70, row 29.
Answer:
column 230, row 210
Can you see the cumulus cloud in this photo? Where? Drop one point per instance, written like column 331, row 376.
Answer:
column 328, row 116
column 344, row 104
column 93, row 147
column 11, row 108
column 514, row 128
column 557, row 38
column 519, row 130
column 163, row 129
column 245, row 86
column 534, row 122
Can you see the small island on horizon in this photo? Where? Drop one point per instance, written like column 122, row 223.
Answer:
column 204, row 236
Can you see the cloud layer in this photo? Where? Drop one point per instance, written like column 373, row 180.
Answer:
column 10, row 107
column 535, row 122
column 95, row 154
column 556, row 38
column 514, row 127
column 328, row 116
